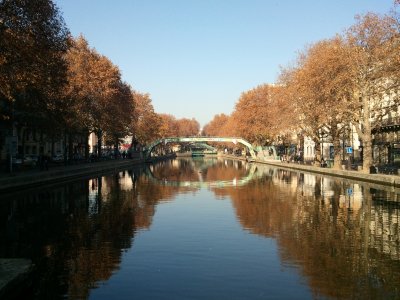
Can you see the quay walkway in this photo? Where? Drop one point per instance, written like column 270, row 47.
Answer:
column 13, row 273
column 35, row 177
column 57, row 173
column 389, row 180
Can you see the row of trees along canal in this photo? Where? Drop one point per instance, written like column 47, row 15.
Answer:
column 60, row 87
column 351, row 79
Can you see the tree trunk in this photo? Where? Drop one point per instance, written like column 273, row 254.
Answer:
column 337, row 149
column 70, row 147
column 87, row 134
column 317, row 148
column 337, row 158
column 99, row 143
column 134, row 143
column 65, row 147
column 367, row 154
column 23, row 137
column 116, row 148
column 366, row 137
column 52, row 145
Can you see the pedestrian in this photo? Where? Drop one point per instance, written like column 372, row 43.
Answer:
column 40, row 162
column 46, row 162
column 323, row 163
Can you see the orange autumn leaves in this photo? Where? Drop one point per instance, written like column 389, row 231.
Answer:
column 348, row 82
column 59, row 85
column 106, row 104
column 259, row 116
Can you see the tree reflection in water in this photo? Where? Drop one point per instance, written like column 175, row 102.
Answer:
column 346, row 246
column 343, row 236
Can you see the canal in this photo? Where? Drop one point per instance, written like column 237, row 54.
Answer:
column 206, row 228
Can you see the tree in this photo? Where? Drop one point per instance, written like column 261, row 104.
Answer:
column 259, row 115
column 374, row 41
column 120, row 115
column 146, row 123
column 216, row 125
column 188, row 127
column 172, row 127
column 319, row 87
column 168, row 126
column 94, row 85
column 33, row 41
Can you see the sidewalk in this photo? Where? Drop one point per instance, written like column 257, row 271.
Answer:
column 60, row 172
column 390, row 180
column 14, row 273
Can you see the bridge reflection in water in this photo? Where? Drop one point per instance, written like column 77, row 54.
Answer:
column 129, row 234
column 252, row 173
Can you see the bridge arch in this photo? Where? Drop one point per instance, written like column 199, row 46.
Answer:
column 234, row 140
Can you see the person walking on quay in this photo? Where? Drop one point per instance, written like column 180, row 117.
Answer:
column 46, row 162
column 43, row 162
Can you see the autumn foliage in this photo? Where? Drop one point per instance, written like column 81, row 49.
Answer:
column 171, row 126
column 60, row 86
column 348, row 81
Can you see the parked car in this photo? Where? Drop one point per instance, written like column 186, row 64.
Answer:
column 78, row 157
column 17, row 160
column 57, row 158
column 30, row 160
column 31, row 157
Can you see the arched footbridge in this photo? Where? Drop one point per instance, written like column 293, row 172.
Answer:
column 201, row 139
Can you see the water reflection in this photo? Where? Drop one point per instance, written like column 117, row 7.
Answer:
column 343, row 236
column 346, row 243
column 211, row 173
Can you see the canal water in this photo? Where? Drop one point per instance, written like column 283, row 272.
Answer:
column 206, row 228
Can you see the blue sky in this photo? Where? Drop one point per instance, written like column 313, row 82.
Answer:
column 195, row 57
